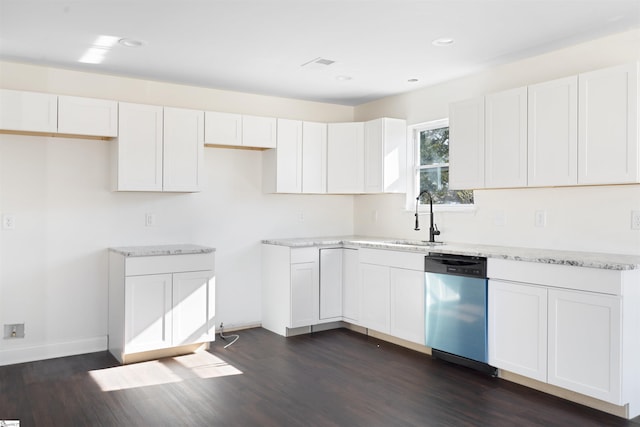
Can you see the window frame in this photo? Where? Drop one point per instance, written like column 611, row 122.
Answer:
column 413, row 152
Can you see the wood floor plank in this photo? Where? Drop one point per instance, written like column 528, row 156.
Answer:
column 330, row 378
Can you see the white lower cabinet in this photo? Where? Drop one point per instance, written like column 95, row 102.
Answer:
column 572, row 327
column 392, row 293
column 148, row 319
column 304, row 293
column 517, row 316
column 585, row 343
column 350, row 286
column 407, row 304
column 159, row 302
column 290, row 288
column 375, row 293
column 331, row 284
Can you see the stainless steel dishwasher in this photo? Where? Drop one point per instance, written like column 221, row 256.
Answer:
column 456, row 309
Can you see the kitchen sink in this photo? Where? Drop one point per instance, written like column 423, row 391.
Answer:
column 414, row 242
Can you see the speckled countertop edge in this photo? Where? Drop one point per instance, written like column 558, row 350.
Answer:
column 547, row 256
column 158, row 250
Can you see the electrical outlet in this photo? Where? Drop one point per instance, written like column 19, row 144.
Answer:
column 374, row 216
column 540, row 219
column 300, row 216
column 150, row 220
column 15, row 330
column 8, row 222
column 635, row 220
column 499, row 219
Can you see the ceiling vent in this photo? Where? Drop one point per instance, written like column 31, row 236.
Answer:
column 317, row 63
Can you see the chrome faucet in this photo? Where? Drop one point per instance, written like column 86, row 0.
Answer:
column 433, row 229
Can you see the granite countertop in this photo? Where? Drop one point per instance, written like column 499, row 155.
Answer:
column 156, row 250
column 548, row 256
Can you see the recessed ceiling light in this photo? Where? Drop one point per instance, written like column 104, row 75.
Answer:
column 343, row 78
column 412, row 81
column 443, row 41
column 131, row 42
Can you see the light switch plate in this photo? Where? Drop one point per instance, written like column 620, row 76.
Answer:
column 635, row 220
column 8, row 222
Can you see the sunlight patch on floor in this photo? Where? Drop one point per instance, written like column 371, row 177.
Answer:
column 165, row 371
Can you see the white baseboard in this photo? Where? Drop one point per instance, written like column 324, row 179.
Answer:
column 50, row 351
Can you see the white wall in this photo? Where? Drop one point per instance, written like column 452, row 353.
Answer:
column 579, row 218
column 53, row 266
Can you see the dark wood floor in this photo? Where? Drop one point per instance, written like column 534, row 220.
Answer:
column 332, row 378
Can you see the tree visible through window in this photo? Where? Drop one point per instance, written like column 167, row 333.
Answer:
column 432, row 169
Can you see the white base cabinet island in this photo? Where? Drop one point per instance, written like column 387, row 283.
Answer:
column 161, row 301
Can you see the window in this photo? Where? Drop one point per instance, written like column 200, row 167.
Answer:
column 431, row 153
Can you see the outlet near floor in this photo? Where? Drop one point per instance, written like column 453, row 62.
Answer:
column 14, row 330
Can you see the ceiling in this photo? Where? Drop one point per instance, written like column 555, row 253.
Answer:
column 259, row 46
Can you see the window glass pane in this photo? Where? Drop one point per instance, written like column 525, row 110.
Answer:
column 434, row 146
column 433, row 170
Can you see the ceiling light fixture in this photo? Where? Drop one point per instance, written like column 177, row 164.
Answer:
column 412, row 81
column 131, row 42
column 343, row 78
column 443, row 41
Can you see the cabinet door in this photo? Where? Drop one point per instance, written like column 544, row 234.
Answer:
column 466, row 144
column 147, row 308
column 350, row 286
column 553, row 133
column 608, row 130
column 87, row 116
column 585, row 343
column 139, row 148
column 506, row 139
column 407, row 304
column 374, row 291
column 314, row 157
column 259, row 132
column 28, row 111
column 331, row 284
column 385, row 157
column 193, row 307
column 222, row 128
column 183, row 151
column 345, row 158
column 518, row 328
column 304, row 294
column 289, row 156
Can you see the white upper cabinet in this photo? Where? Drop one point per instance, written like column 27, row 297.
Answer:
column 314, row 157
column 87, row 116
column 466, row 144
column 345, row 158
column 259, row 132
column 385, row 157
column 28, row 111
column 608, row 126
column 506, row 139
column 138, row 157
column 223, row 128
column 183, row 150
column 282, row 167
column 553, row 133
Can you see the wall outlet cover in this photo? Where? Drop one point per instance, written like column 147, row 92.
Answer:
column 635, row 220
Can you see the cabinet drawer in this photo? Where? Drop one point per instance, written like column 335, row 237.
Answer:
column 137, row 266
column 398, row 259
column 555, row 275
column 304, row 255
